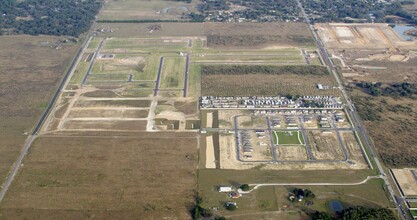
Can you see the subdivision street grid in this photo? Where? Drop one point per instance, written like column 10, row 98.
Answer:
column 134, row 85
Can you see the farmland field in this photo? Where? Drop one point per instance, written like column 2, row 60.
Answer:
column 146, row 10
column 112, row 178
column 264, row 84
column 30, row 70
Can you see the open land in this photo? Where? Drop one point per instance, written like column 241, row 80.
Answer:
column 30, row 70
column 146, row 10
column 106, row 179
column 407, row 181
column 361, row 36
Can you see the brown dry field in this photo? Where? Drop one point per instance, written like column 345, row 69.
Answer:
column 247, row 34
column 137, row 125
column 325, row 146
column 105, row 178
column 296, row 152
column 271, row 34
column 113, row 103
column 264, row 84
column 393, row 134
column 29, row 74
column 124, row 113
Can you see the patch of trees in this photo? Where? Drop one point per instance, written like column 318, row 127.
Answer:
column 262, row 69
column 358, row 212
column 348, row 10
column 394, row 90
column 49, row 17
column 199, row 212
column 399, row 160
column 245, row 187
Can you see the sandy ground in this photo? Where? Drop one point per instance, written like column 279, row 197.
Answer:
column 210, row 158
column 209, row 119
column 361, row 36
column 228, row 160
column 406, row 180
column 291, row 152
column 354, row 149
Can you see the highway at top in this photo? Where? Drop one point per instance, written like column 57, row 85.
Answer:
column 352, row 112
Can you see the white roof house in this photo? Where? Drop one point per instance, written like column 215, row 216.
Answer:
column 225, row 189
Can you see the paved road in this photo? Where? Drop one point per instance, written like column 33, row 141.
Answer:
column 93, row 60
column 342, row 145
column 158, row 78
column 257, row 185
column 355, row 121
column 308, row 149
column 15, row 167
column 273, row 148
column 187, row 63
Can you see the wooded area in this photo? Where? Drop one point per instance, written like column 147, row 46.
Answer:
column 49, row 17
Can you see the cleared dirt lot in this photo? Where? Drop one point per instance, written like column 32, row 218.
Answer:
column 291, row 152
column 361, row 36
column 123, row 113
column 325, row 146
column 406, row 180
column 107, row 177
column 30, row 69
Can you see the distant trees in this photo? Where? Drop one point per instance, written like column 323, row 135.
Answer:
column 345, row 11
column 262, row 69
column 358, row 212
column 245, row 187
column 50, row 17
column 404, row 89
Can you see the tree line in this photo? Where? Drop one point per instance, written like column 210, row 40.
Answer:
column 262, row 69
column 358, row 212
column 49, row 17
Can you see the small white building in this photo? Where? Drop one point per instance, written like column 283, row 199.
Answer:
column 225, row 189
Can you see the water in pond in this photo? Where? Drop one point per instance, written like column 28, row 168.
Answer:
column 336, row 206
column 401, row 29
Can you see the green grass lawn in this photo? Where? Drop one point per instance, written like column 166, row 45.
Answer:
column 288, row 137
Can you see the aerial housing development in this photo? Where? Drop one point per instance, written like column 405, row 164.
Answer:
column 215, row 109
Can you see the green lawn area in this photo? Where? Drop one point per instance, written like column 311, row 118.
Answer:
column 173, row 73
column 413, row 204
column 288, row 137
column 413, row 212
column 270, row 198
column 79, row 73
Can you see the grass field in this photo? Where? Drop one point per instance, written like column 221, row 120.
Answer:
column 111, row 178
column 274, row 198
column 30, row 70
column 173, row 73
column 264, row 84
column 288, row 137
column 146, row 10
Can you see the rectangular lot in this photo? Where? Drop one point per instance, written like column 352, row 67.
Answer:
column 173, row 73
column 107, row 177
